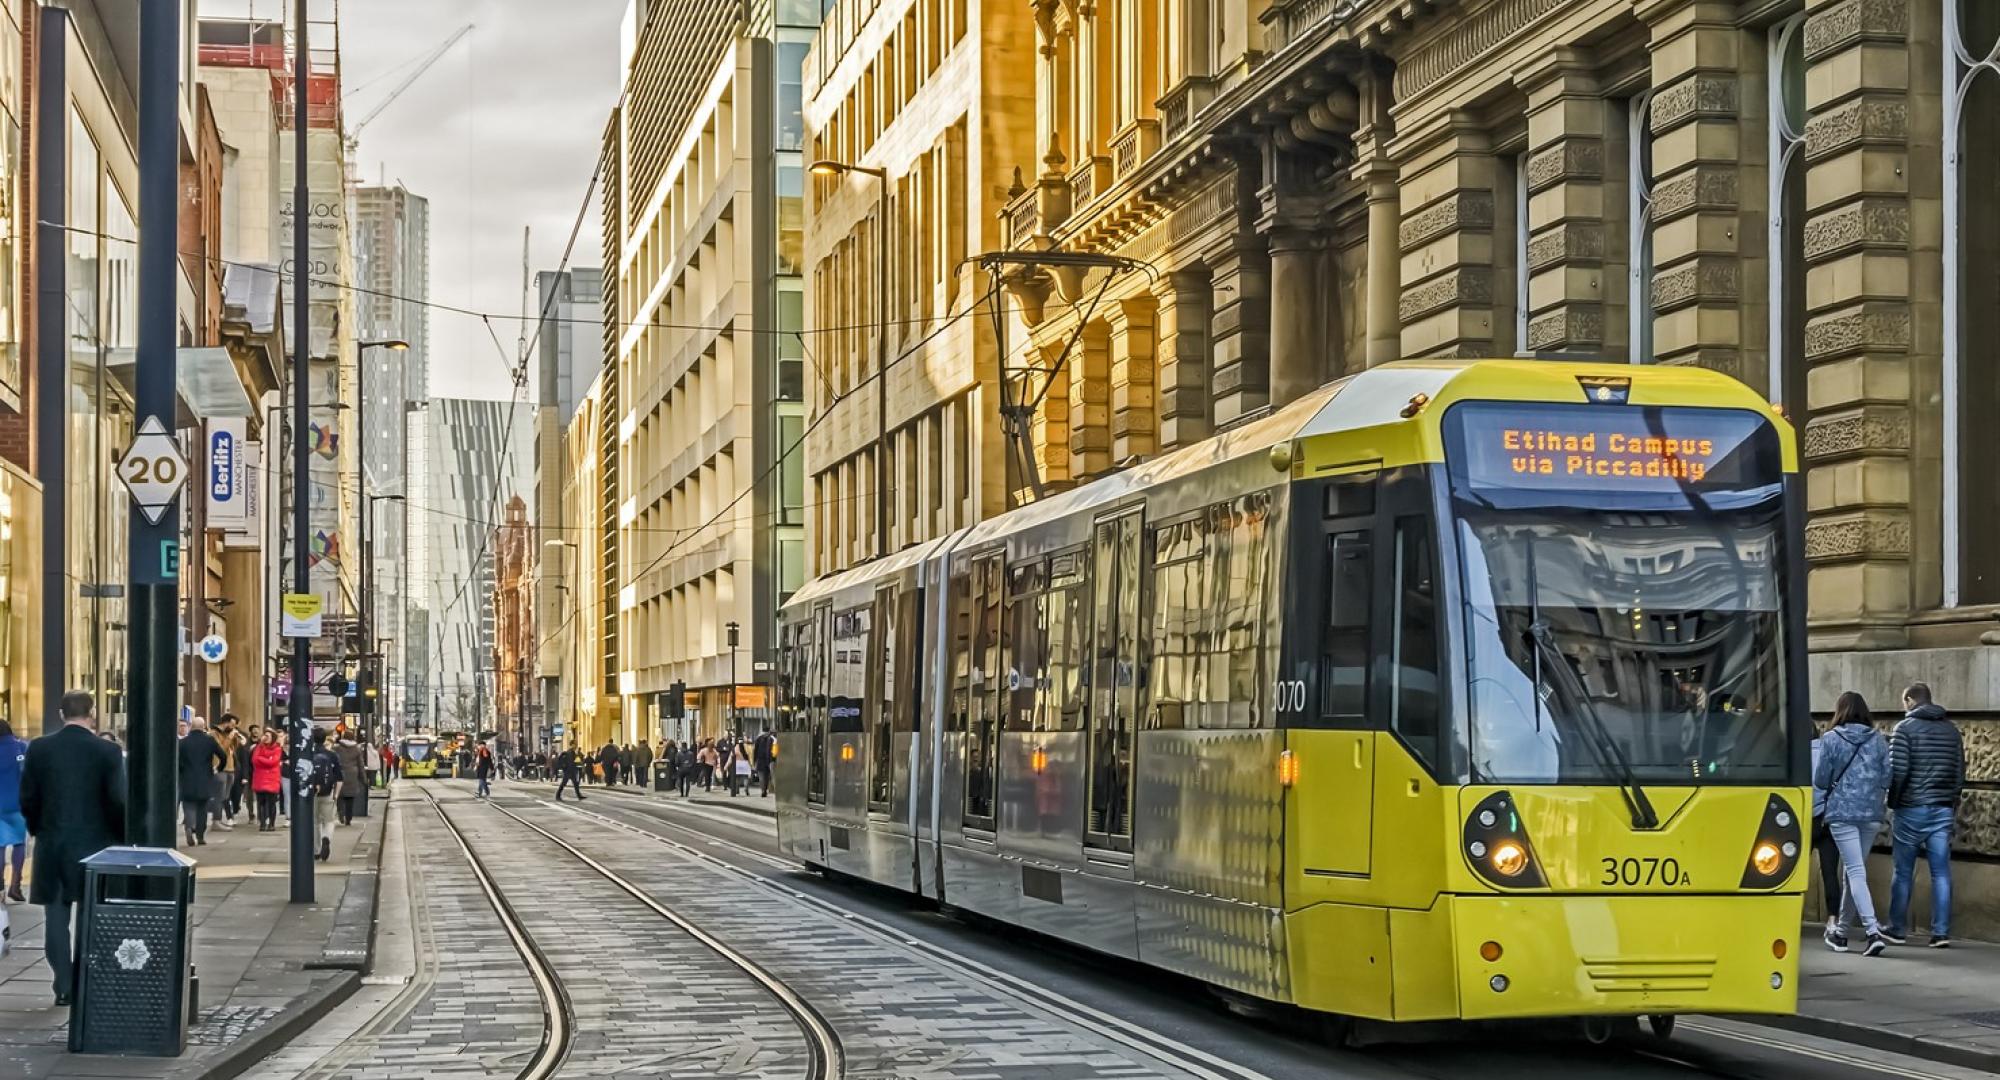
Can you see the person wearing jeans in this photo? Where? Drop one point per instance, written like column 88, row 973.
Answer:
column 1926, row 780
column 1853, row 771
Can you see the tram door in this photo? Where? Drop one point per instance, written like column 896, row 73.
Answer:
column 1338, row 557
column 1114, row 678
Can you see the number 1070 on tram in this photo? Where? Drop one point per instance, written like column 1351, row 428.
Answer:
column 1454, row 690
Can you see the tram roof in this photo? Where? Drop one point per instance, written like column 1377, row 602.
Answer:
column 1363, row 400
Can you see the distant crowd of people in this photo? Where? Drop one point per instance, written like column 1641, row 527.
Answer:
column 732, row 760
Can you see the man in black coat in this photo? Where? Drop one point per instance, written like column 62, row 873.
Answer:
column 198, row 755
column 73, row 795
column 764, row 755
column 607, row 759
column 569, row 768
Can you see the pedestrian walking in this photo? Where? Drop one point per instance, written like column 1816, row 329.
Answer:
column 13, row 823
column 607, row 759
column 353, row 762
column 1853, row 770
column 1926, row 781
column 1824, row 850
column 740, row 769
column 324, row 785
column 198, row 756
column 765, row 756
column 267, row 765
column 246, row 745
column 231, row 742
column 709, row 760
column 642, row 763
column 73, row 796
column 483, row 769
column 569, row 771
column 685, row 768
column 388, row 762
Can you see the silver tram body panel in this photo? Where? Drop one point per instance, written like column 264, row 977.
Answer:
column 1198, row 887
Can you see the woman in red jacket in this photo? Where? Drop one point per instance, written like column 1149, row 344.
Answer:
column 267, row 764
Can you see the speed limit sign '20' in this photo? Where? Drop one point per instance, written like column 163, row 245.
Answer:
column 153, row 469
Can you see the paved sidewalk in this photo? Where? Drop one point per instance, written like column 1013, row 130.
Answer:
column 1939, row 1004
column 268, row 968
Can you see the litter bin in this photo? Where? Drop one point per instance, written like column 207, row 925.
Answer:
column 132, row 964
column 663, row 777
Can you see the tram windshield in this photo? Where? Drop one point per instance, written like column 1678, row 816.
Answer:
column 1623, row 573
column 417, row 749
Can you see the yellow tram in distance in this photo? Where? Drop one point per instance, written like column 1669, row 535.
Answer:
column 1455, row 690
column 420, row 757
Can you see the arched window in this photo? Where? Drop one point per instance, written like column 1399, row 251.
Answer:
column 1971, row 301
column 1785, row 146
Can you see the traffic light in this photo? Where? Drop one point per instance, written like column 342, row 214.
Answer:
column 675, row 705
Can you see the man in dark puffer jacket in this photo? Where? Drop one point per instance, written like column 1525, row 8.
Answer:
column 1926, row 777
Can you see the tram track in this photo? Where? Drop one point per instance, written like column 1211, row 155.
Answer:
column 558, row 1014
column 826, row 1057
column 1192, row 1060
column 1679, row 1055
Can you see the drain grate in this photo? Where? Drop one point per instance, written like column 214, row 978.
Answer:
column 1990, row 1018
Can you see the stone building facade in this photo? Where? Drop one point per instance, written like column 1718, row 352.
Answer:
column 923, row 103
column 703, row 307
column 1770, row 188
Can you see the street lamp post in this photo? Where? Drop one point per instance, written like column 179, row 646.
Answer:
column 735, row 721
column 368, row 590
column 564, row 685
column 827, row 167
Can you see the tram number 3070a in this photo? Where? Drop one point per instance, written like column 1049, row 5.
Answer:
column 1649, row 871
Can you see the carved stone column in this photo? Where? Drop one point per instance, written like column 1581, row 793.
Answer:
column 1446, row 237
column 1376, row 172
column 1860, row 445
column 1049, row 431
column 1296, row 315
column 1133, row 356
column 1241, row 279
column 1090, row 402
column 1702, row 165
column 1182, row 321
column 1567, row 237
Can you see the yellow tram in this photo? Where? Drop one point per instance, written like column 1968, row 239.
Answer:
column 420, row 757
column 1454, row 690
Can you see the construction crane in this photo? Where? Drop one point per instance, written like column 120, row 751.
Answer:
column 354, row 133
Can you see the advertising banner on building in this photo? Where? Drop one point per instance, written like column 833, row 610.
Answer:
column 224, row 475
column 251, row 533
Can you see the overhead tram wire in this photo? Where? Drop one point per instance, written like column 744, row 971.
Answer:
column 778, row 461
column 505, row 316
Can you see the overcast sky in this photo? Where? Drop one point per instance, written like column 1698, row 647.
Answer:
column 502, row 132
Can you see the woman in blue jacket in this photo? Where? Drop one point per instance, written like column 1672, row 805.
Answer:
column 13, row 826
column 1853, row 772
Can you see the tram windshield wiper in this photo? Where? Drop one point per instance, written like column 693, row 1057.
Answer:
column 1542, row 642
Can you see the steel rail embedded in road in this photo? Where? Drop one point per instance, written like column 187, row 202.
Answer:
column 828, row 1060
column 1190, row 1059
column 559, row 1020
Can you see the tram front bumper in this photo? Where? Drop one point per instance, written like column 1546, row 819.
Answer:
column 1625, row 955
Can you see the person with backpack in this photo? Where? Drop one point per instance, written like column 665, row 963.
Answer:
column 1853, row 770
column 324, row 784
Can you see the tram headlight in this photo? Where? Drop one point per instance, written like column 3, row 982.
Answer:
column 1496, row 844
column 1509, row 858
column 1774, row 852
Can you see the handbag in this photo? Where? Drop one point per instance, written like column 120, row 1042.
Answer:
column 1821, row 796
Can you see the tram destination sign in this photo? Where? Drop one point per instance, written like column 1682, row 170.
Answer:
column 1646, row 448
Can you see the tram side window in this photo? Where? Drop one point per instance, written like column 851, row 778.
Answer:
column 905, row 667
column 1065, row 622
column 812, row 647
column 961, row 607
column 984, row 692
column 1240, row 532
column 850, row 677
column 1180, row 600
column 882, row 697
column 1343, row 662
column 1414, row 705
column 1024, row 663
